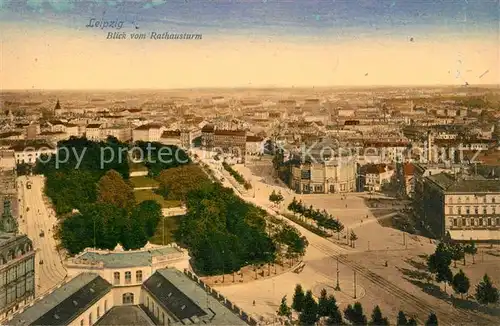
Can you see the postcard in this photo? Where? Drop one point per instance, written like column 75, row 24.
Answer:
column 249, row 162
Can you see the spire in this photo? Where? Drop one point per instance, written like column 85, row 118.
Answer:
column 58, row 106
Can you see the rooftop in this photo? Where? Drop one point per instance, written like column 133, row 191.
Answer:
column 66, row 303
column 449, row 184
column 125, row 315
column 198, row 301
column 126, row 258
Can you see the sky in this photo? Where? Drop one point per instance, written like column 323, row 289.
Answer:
column 54, row 44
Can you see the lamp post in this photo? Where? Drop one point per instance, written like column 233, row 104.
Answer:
column 354, row 284
column 337, row 288
column 223, row 266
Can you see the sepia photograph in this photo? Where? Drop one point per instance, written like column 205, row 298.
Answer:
column 250, row 162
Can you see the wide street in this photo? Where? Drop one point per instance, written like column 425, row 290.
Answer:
column 38, row 217
column 376, row 284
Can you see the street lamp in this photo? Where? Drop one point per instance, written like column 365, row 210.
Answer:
column 337, row 288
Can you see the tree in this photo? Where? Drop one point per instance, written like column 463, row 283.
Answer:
column 444, row 274
column 276, row 198
column 439, row 263
column 309, row 314
column 284, row 310
column 112, row 189
column 298, row 298
column 333, row 313
column 402, row 321
column 485, row 291
column 353, row 238
column 355, row 314
column 377, row 318
column 323, row 304
column 432, row 320
column 457, row 253
column 177, row 182
column 471, row 249
column 460, row 283
column 412, row 322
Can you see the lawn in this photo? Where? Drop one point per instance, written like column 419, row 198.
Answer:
column 143, row 181
column 142, row 195
column 170, row 224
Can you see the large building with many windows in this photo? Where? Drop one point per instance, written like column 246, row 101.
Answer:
column 465, row 207
column 17, row 272
column 323, row 168
column 167, row 297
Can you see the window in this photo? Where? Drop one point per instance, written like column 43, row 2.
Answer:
column 81, row 322
column 98, row 312
column 485, row 211
column 105, row 305
column 467, row 210
column 128, row 277
column 455, row 222
column 493, row 209
column 476, row 210
column 493, row 199
column 138, row 276
column 464, row 222
column 128, row 298
column 498, row 221
column 450, row 210
column 480, row 222
column 116, row 278
column 90, row 318
column 489, row 221
column 459, row 210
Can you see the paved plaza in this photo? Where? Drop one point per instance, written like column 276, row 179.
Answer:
column 385, row 263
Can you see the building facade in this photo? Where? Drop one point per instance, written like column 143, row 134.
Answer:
column 168, row 297
column 324, row 168
column 17, row 272
column 465, row 208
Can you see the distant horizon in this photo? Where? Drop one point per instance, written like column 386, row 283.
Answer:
column 485, row 86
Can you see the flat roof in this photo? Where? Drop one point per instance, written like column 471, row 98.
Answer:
column 66, row 303
column 125, row 258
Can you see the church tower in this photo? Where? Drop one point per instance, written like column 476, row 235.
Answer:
column 57, row 109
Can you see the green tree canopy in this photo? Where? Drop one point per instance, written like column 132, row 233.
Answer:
column 355, row 314
column 309, row 314
column 485, row 291
column 402, row 321
column 432, row 320
column 377, row 318
column 112, row 189
column 298, row 298
column 284, row 310
column 333, row 313
column 460, row 283
column 176, row 183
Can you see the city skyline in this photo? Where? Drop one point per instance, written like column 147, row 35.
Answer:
column 248, row 44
